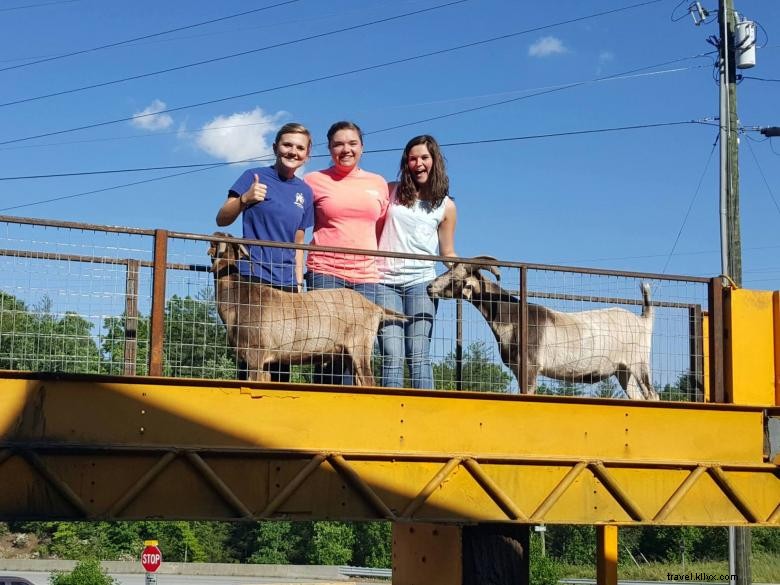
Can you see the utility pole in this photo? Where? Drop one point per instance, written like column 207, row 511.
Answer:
column 731, row 244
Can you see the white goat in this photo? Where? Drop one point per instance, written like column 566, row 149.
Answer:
column 266, row 325
column 586, row 346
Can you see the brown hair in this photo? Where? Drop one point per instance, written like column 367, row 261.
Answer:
column 436, row 188
column 344, row 125
column 292, row 128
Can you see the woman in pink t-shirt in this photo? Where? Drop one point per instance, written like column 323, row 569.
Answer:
column 349, row 210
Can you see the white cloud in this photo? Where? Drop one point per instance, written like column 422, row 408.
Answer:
column 143, row 120
column 240, row 136
column 547, row 46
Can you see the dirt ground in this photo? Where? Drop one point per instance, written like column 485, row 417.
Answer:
column 16, row 545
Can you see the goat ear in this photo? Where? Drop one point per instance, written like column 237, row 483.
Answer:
column 243, row 251
column 221, row 247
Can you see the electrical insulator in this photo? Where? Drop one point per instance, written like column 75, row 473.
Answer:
column 745, row 44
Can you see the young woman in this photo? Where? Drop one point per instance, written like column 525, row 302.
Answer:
column 420, row 220
column 276, row 206
column 349, row 207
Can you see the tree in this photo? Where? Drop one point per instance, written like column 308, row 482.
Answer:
column 38, row 340
column 195, row 341
column 275, row 542
column 330, row 543
column 373, row 544
column 480, row 373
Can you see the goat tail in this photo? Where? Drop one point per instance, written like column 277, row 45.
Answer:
column 391, row 315
column 647, row 307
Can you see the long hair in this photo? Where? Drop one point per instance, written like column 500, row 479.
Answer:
column 436, row 188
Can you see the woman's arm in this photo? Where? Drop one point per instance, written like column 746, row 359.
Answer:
column 447, row 230
column 229, row 211
column 299, row 237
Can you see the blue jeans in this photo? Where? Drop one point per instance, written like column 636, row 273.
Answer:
column 410, row 340
column 337, row 371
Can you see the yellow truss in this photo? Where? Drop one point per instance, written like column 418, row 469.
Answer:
column 129, row 448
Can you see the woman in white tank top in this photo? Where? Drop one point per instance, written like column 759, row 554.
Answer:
column 420, row 220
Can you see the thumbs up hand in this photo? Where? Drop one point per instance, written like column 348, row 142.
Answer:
column 255, row 194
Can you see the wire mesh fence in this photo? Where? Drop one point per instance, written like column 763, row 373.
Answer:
column 91, row 299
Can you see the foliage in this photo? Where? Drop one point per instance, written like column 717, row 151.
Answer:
column 544, row 569
column 571, row 544
column 766, row 540
column 373, row 544
column 276, row 543
column 480, row 373
column 195, row 340
column 36, row 339
column 683, row 390
column 85, row 573
column 331, row 543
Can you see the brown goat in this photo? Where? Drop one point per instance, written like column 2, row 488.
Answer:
column 267, row 325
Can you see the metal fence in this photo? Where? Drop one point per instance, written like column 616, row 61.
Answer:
column 95, row 299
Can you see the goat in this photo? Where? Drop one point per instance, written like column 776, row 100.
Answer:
column 267, row 325
column 586, row 346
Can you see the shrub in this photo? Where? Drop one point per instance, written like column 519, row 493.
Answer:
column 85, row 573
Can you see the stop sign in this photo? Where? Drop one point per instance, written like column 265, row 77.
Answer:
column 151, row 558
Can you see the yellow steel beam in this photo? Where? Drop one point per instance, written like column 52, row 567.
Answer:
column 606, row 555
column 130, row 448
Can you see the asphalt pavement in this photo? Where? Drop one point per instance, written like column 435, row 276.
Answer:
column 42, row 578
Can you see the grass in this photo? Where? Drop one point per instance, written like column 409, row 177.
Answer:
column 765, row 569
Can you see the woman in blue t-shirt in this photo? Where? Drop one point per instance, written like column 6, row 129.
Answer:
column 276, row 206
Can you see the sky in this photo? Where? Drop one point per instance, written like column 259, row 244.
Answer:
column 641, row 199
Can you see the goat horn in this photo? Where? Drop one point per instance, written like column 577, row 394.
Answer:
column 492, row 268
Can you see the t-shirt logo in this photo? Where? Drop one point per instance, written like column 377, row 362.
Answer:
column 299, row 200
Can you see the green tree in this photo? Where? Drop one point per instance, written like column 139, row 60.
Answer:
column 195, row 341
column 275, row 542
column 114, row 346
column 572, row 544
column 38, row 340
column 683, row 390
column 373, row 544
column 480, row 373
column 177, row 540
column 330, row 543
column 85, row 573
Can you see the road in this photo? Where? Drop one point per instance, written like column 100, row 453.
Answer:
column 42, row 578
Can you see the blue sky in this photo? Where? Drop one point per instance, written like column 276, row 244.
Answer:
column 611, row 199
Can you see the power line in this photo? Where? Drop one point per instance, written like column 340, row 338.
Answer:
column 329, row 76
column 226, row 57
column 690, row 205
column 535, row 92
column 511, row 100
column 761, row 171
column 26, row 6
column 759, row 78
column 144, row 37
column 374, row 151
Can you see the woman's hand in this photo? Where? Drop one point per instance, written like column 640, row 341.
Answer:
column 255, row 194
